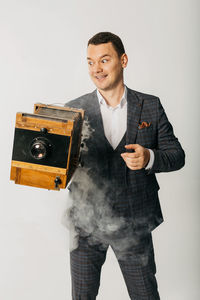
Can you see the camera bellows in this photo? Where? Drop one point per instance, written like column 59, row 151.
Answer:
column 46, row 146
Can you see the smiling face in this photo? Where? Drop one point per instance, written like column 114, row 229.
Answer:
column 105, row 66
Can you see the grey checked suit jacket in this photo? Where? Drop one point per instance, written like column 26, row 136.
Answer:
column 141, row 185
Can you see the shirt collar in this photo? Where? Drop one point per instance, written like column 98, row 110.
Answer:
column 120, row 105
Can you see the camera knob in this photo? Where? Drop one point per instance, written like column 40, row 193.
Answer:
column 57, row 182
column 43, row 130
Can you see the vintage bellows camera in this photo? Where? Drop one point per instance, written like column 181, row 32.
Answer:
column 46, row 146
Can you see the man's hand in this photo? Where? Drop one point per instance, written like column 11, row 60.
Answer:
column 138, row 159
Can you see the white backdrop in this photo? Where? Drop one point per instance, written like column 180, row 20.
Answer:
column 43, row 59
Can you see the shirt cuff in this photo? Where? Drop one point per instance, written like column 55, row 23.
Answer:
column 151, row 160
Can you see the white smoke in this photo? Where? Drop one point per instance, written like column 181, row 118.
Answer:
column 90, row 214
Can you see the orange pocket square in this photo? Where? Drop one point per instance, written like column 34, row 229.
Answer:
column 143, row 125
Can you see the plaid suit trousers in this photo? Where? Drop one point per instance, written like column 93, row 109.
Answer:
column 137, row 266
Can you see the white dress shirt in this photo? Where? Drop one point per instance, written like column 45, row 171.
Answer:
column 115, row 122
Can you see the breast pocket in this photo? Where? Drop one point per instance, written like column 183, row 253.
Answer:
column 146, row 137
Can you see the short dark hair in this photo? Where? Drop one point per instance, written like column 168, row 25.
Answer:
column 106, row 37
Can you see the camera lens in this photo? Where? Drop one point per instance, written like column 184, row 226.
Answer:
column 39, row 148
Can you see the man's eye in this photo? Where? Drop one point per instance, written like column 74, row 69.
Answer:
column 90, row 63
column 104, row 60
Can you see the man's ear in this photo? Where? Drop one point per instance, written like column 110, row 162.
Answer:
column 124, row 60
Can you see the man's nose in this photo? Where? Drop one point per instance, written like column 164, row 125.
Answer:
column 98, row 68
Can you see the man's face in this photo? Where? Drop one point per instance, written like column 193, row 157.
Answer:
column 105, row 66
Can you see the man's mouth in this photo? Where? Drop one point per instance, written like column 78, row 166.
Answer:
column 101, row 77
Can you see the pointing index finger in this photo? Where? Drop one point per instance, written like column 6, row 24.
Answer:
column 131, row 146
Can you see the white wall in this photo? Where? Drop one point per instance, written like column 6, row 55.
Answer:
column 42, row 59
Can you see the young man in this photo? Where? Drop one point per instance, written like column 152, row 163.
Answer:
column 115, row 192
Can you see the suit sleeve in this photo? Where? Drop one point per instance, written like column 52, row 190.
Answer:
column 169, row 155
column 72, row 103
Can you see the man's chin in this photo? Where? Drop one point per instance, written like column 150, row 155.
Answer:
column 102, row 87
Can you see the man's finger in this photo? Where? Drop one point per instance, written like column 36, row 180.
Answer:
column 134, row 167
column 131, row 155
column 130, row 160
column 132, row 146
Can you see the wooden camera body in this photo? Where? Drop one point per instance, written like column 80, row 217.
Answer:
column 46, row 146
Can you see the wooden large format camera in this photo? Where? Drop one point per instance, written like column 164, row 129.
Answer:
column 46, row 146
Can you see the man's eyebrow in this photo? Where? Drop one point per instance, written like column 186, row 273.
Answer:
column 100, row 56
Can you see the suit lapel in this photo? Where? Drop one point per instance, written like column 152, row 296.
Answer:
column 134, row 108
column 95, row 118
